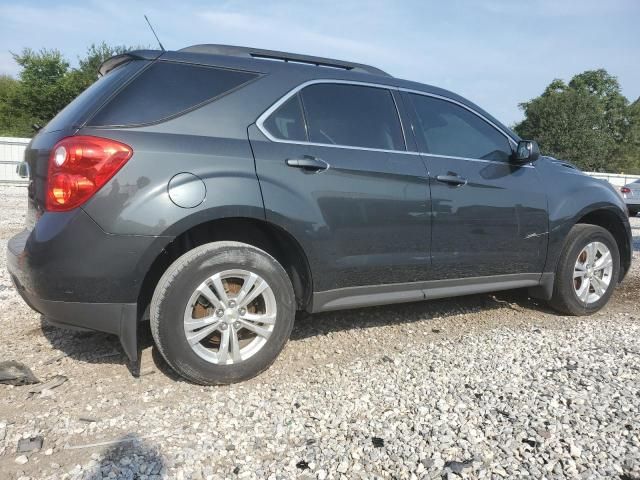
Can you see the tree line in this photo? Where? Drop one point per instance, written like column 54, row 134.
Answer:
column 586, row 121
column 45, row 85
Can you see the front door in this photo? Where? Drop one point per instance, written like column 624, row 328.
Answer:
column 489, row 215
column 335, row 173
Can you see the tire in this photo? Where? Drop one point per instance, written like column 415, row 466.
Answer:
column 565, row 298
column 173, row 306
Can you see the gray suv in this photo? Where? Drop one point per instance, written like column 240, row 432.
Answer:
column 218, row 190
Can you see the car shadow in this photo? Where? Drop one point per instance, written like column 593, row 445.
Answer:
column 130, row 456
column 86, row 346
column 406, row 313
column 97, row 347
column 104, row 348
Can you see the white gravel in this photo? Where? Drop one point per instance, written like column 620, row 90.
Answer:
column 486, row 386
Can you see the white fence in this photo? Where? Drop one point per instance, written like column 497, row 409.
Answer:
column 616, row 179
column 11, row 154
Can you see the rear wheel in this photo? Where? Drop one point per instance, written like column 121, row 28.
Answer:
column 222, row 312
column 587, row 271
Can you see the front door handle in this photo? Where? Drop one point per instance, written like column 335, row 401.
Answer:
column 452, row 180
column 308, row 162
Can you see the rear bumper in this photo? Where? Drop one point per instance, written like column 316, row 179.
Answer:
column 78, row 276
column 117, row 318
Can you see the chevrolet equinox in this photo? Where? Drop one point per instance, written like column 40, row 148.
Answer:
column 217, row 190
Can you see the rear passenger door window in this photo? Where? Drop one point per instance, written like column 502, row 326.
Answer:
column 445, row 128
column 352, row 115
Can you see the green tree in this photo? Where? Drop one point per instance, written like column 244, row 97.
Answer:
column 45, row 85
column 12, row 123
column 86, row 73
column 632, row 147
column 588, row 122
column 42, row 90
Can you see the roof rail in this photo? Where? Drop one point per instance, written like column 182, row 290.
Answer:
column 259, row 53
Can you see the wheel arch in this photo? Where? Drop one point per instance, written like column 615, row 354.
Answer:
column 605, row 215
column 260, row 233
column 610, row 219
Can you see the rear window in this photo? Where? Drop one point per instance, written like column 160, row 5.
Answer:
column 167, row 89
column 77, row 112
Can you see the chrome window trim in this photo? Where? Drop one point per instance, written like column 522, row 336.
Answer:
column 482, row 160
column 402, row 130
column 262, row 118
column 460, row 104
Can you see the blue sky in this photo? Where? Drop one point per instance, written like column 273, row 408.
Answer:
column 497, row 53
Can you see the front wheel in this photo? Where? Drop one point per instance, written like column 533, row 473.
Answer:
column 222, row 313
column 587, row 271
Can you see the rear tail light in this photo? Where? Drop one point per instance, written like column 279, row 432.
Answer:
column 625, row 190
column 79, row 167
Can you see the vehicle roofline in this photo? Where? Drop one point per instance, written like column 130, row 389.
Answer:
column 306, row 71
column 263, row 54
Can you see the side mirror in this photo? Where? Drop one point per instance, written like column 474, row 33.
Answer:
column 526, row 151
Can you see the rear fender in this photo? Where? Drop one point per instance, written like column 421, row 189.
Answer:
column 138, row 201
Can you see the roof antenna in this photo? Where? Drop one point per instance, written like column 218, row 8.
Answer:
column 154, row 34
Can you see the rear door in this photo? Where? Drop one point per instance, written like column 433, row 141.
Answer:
column 334, row 170
column 489, row 215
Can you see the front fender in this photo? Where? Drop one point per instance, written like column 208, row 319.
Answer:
column 572, row 196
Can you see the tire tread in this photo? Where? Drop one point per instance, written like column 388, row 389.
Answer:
column 563, row 299
column 163, row 288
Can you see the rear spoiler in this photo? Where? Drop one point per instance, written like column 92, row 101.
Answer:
column 117, row 60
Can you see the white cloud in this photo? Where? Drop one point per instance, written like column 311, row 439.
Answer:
column 497, row 53
column 289, row 34
column 526, row 9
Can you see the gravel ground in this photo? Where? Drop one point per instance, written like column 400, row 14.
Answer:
column 485, row 386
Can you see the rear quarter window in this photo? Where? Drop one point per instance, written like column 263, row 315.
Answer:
column 81, row 108
column 167, row 89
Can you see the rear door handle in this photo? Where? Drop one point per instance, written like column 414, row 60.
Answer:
column 308, row 163
column 452, row 180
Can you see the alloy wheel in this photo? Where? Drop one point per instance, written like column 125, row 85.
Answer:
column 592, row 272
column 230, row 317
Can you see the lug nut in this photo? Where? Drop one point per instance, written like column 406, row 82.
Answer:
column 236, row 325
column 232, row 304
column 220, row 313
column 242, row 311
column 223, row 326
